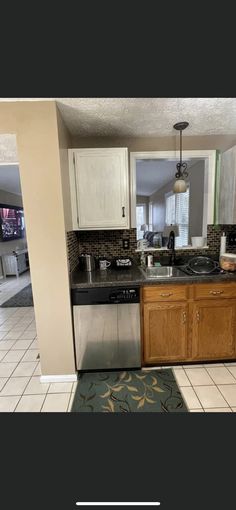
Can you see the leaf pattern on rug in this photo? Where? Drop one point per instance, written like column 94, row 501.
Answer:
column 128, row 391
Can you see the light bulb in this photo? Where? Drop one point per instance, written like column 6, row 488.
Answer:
column 180, row 186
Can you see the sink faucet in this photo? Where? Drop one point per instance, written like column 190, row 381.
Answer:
column 171, row 246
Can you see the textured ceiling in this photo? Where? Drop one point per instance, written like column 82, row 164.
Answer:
column 148, row 117
column 8, row 149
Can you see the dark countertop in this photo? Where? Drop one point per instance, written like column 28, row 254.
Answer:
column 106, row 278
column 134, row 276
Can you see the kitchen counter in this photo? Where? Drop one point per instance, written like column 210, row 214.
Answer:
column 134, row 276
column 106, row 278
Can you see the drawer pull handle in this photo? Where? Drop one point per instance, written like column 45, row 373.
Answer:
column 216, row 292
column 123, row 212
column 198, row 316
column 184, row 317
column 166, row 294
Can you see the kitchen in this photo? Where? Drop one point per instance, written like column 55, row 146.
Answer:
column 168, row 313
column 106, row 229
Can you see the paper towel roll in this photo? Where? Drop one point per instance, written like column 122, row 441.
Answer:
column 223, row 243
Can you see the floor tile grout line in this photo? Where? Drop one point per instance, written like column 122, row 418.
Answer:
column 227, row 405
column 196, row 396
column 215, row 384
column 187, row 377
column 68, row 410
column 231, row 374
column 17, row 364
column 222, row 394
column 183, row 395
column 221, row 383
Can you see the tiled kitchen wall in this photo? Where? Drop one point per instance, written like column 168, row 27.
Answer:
column 214, row 233
column 108, row 243
column 72, row 250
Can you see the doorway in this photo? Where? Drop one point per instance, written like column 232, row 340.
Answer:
column 14, row 258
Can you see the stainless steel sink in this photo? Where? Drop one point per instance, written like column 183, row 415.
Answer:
column 162, row 272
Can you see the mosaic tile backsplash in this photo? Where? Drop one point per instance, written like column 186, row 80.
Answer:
column 109, row 243
column 72, row 250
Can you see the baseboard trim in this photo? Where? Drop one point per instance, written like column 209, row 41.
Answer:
column 58, row 378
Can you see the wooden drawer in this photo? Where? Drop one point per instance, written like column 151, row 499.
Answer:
column 155, row 293
column 214, row 290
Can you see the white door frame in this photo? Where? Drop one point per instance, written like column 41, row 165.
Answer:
column 209, row 183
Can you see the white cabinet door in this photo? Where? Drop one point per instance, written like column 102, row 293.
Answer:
column 99, row 188
column 227, row 188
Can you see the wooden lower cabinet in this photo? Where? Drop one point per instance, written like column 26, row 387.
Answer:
column 189, row 323
column 165, row 332
column 213, row 334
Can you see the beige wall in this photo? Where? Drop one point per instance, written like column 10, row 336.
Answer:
column 196, row 199
column 35, row 126
column 65, row 142
column 10, row 198
column 220, row 142
column 142, row 199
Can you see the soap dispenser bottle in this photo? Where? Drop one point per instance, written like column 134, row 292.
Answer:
column 143, row 259
column 223, row 243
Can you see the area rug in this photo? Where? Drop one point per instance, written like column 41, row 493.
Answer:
column 22, row 298
column 131, row 391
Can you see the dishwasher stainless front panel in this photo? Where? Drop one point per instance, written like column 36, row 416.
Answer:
column 107, row 336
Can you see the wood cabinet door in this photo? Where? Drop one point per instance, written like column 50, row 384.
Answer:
column 214, row 329
column 100, row 189
column 165, row 328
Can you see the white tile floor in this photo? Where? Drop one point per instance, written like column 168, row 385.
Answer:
column 210, row 388
column 20, row 386
column 205, row 388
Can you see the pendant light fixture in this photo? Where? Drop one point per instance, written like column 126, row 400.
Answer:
column 180, row 185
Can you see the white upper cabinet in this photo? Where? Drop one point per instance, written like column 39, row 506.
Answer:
column 227, row 188
column 99, row 183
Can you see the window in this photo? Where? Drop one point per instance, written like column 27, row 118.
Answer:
column 140, row 219
column 150, row 226
column 177, row 213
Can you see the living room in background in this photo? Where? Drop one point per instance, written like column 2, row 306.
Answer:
column 13, row 241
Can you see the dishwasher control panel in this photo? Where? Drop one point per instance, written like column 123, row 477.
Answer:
column 105, row 295
column 124, row 296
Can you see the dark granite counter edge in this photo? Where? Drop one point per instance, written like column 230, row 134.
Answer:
column 134, row 277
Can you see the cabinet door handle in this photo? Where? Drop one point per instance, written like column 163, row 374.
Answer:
column 123, row 212
column 184, row 317
column 215, row 292
column 198, row 316
column 166, row 294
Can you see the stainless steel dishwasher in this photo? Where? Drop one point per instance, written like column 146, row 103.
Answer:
column 107, row 327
